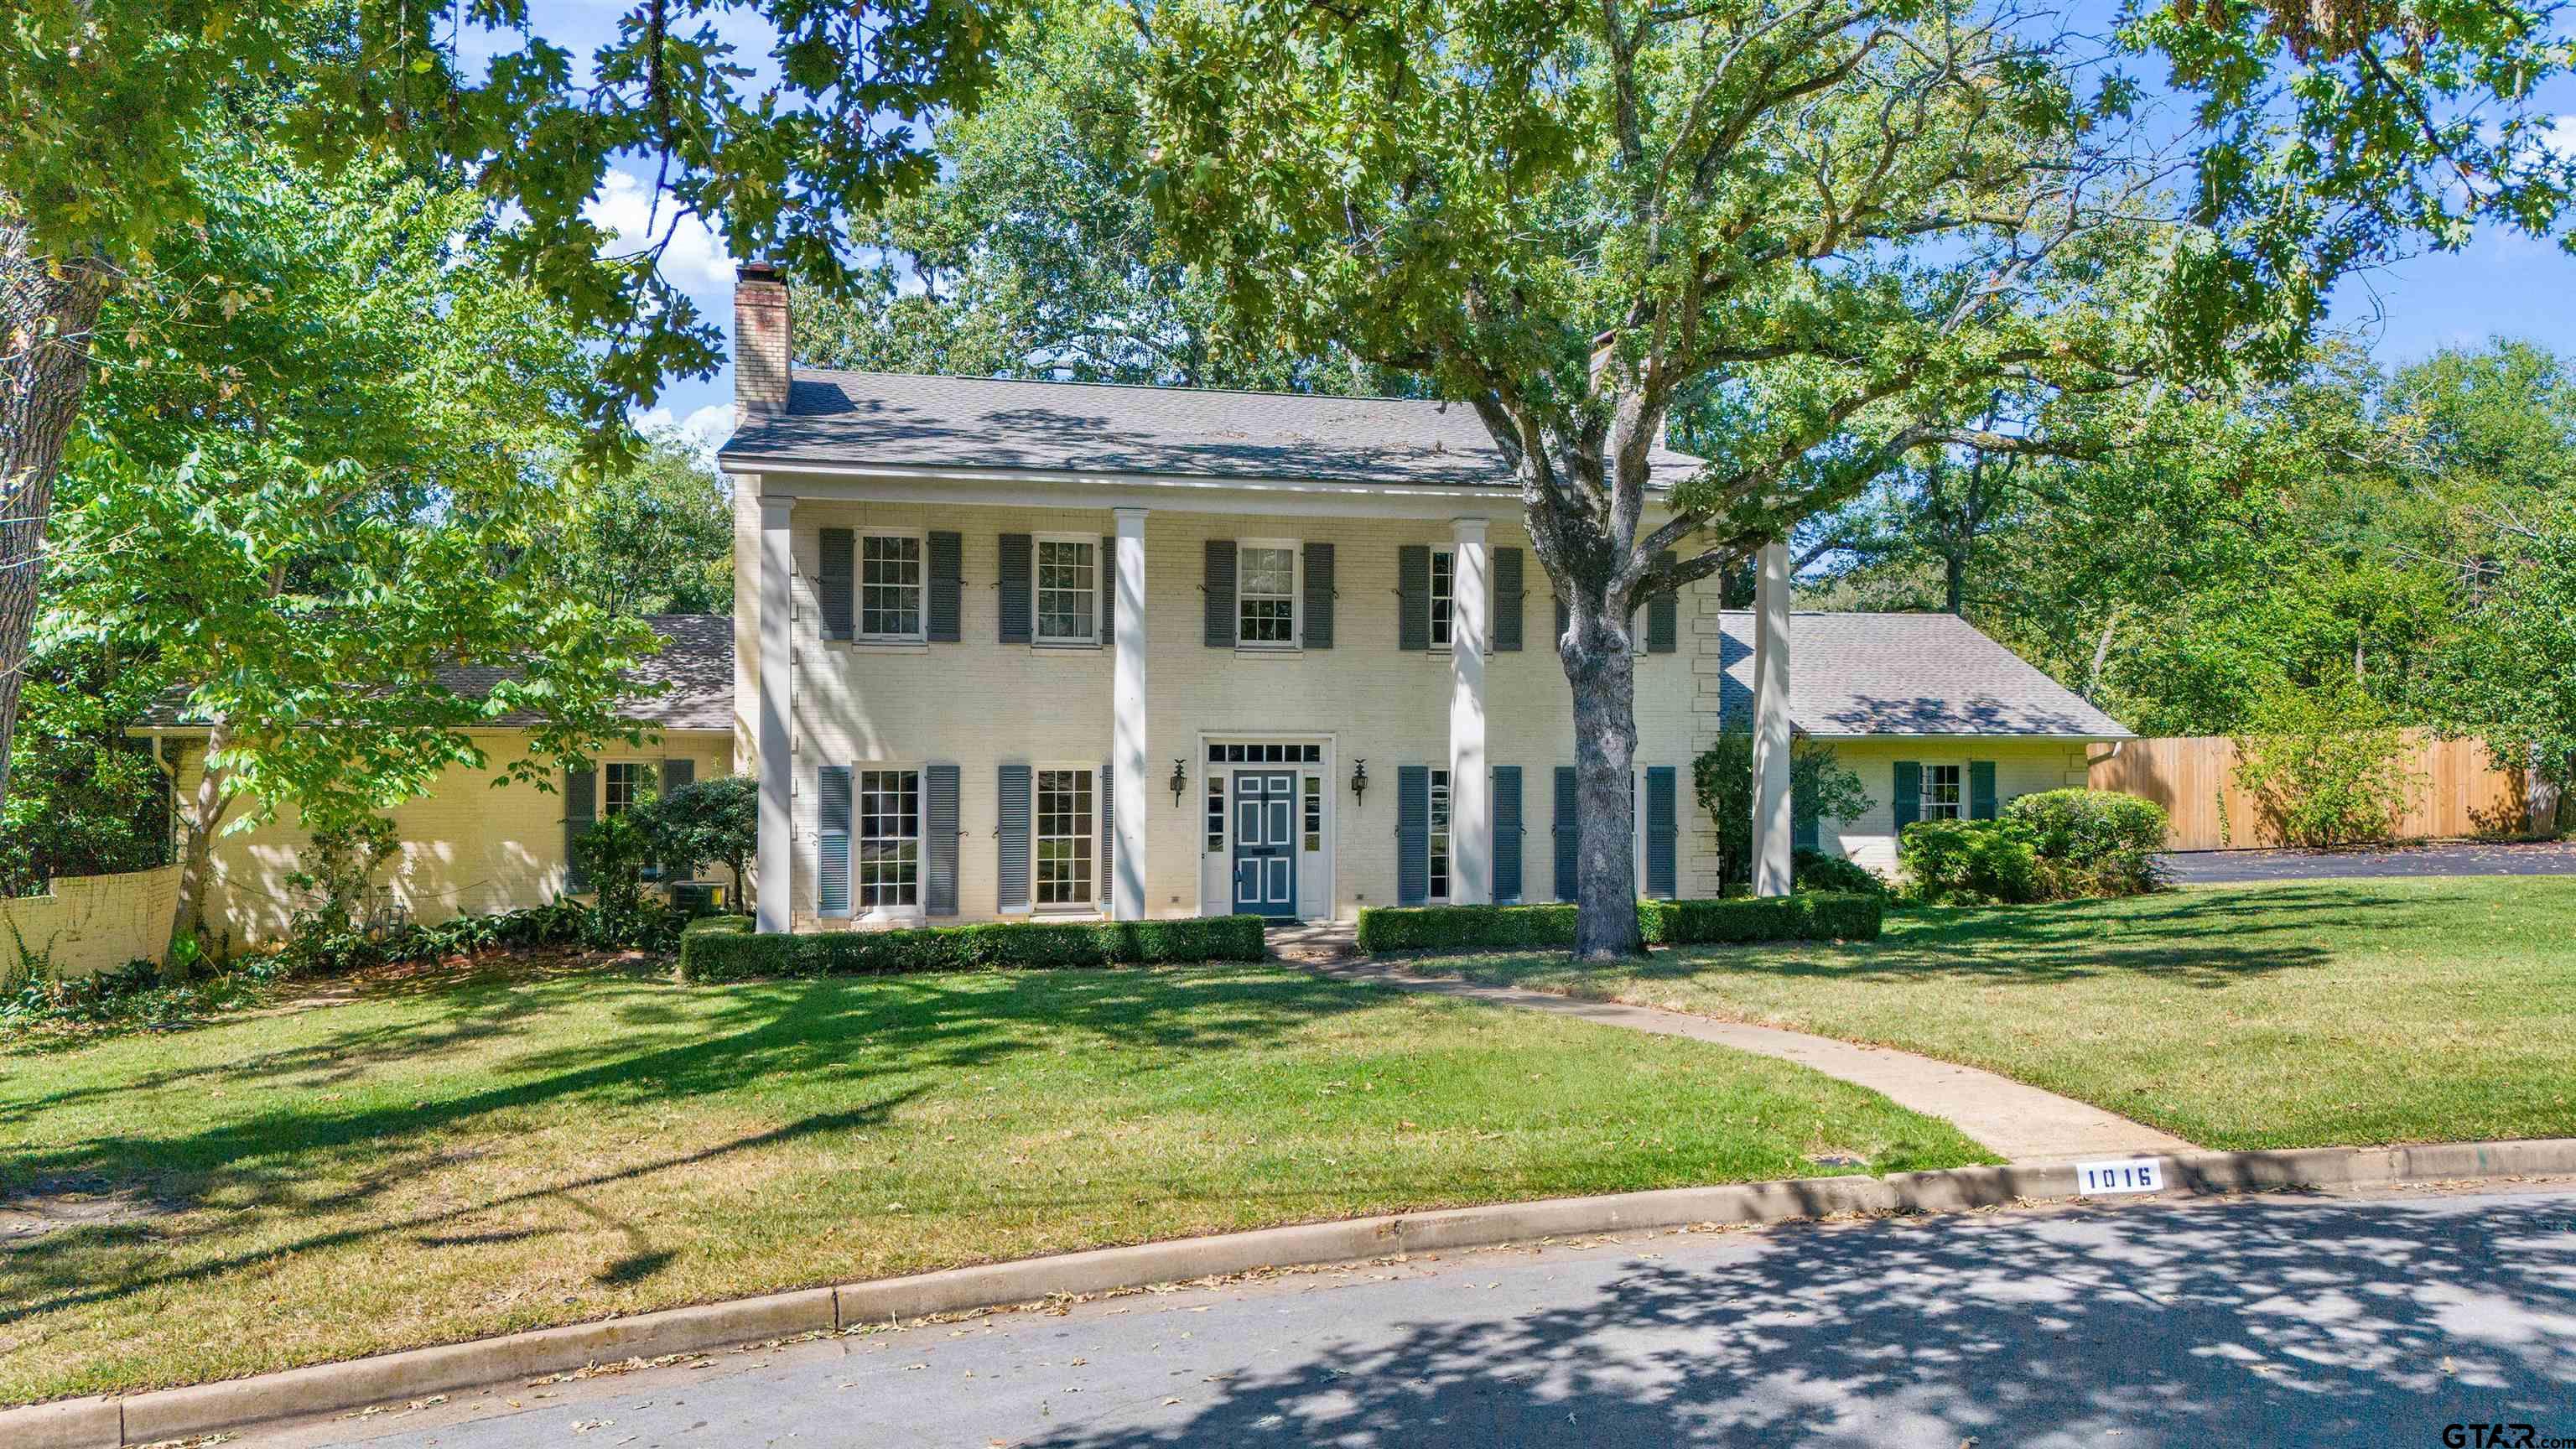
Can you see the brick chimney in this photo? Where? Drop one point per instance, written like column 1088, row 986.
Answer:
column 763, row 342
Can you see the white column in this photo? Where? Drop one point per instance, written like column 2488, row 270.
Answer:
column 1471, row 787
column 776, row 905
column 1774, row 828
column 1127, row 743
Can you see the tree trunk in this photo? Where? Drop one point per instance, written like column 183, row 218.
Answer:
column 1604, row 676
column 204, row 816
column 1954, row 579
column 45, row 322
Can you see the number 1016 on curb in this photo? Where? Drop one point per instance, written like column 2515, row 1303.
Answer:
column 2137, row 1174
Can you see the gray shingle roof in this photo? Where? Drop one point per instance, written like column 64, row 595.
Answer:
column 696, row 661
column 901, row 420
column 1905, row 674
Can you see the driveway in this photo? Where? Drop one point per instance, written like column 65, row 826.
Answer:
column 2279, row 1320
column 2223, row 867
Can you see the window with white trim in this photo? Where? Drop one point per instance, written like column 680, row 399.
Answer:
column 1314, row 813
column 1066, row 838
column 1215, row 813
column 889, row 586
column 1068, row 588
column 1266, row 595
column 885, row 852
column 1444, row 595
column 1440, row 835
column 624, row 784
column 1942, row 792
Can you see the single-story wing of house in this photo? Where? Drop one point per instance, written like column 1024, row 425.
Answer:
column 1937, row 719
column 472, row 845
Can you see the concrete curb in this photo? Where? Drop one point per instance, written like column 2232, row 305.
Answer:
column 111, row 1423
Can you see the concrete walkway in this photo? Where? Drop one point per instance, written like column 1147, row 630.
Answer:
column 2018, row 1122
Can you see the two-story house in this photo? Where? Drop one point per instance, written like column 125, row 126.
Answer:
column 1013, row 648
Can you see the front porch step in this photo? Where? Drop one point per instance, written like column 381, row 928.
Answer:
column 1313, row 943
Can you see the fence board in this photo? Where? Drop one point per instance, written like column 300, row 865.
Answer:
column 2452, row 790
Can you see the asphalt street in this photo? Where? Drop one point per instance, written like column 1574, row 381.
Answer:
column 2276, row 1321
column 2450, row 858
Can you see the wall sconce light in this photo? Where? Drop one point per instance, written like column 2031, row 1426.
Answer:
column 1180, row 782
column 1359, row 782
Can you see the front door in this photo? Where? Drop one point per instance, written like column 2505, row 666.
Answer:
column 1265, row 843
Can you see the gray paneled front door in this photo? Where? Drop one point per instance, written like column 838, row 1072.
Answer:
column 1265, row 843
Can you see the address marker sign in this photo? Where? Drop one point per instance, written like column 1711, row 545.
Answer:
column 2137, row 1174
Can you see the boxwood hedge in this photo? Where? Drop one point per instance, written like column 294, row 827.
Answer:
column 725, row 949
column 1806, row 916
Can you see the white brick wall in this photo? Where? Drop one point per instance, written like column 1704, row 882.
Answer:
column 980, row 703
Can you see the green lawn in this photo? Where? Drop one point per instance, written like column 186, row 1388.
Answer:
column 440, row 1159
column 2288, row 1015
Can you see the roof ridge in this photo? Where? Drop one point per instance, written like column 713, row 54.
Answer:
column 1442, row 404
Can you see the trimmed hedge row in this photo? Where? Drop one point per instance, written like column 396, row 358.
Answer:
column 1806, row 916
column 720, row 948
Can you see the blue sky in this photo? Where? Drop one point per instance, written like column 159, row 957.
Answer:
column 2499, row 285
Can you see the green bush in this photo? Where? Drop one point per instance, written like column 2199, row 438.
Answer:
column 1970, row 861
column 2326, row 766
column 1811, row 916
column 1820, row 789
column 2093, row 842
column 1813, row 870
column 712, row 951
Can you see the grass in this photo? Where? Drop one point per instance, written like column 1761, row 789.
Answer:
column 2290, row 1015
column 439, row 1158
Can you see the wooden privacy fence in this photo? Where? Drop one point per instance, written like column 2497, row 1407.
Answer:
column 2452, row 789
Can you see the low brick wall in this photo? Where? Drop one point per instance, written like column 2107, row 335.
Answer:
column 90, row 923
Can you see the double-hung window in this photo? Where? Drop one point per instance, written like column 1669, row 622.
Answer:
column 889, row 586
column 1440, row 835
column 1066, row 838
column 1266, row 595
column 625, row 784
column 1444, row 595
column 1068, row 588
column 886, row 855
column 1943, row 796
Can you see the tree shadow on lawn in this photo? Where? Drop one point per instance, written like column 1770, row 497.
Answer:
column 2311, row 1323
column 824, row 1034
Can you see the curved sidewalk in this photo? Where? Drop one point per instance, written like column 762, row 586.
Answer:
column 2019, row 1122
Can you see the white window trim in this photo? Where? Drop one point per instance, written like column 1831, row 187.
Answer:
column 1923, row 790
column 1088, row 904
column 859, row 588
column 1038, row 638
column 1296, row 598
column 917, row 912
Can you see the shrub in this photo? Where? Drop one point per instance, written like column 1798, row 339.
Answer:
column 708, row 822
column 1970, row 861
column 1816, row 916
column 1820, row 789
column 2325, row 766
column 713, row 951
column 1813, row 870
column 330, row 934
column 2092, row 842
column 616, row 851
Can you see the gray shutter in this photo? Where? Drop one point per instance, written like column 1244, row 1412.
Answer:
column 1567, row 838
column 1507, row 834
column 1663, row 615
column 1013, row 832
column 1981, row 789
column 947, row 579
column 939, row 840
column 832, row 840
column 836, row 583
column 1319, row 596
column 1218, row 585
column 1804, row 834
column 1014, row 581
column 1106, row 860
column 1663, row 877
column 1413, row 597
column 1908, row 803
column 1507, row 599
column 1104, row 574
column 1412, row 834
column 581, row 808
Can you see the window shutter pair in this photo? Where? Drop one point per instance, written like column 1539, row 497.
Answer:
column 581, row 809
column 1217, row 584
column 837, row 584
column 1663, row 831
column 832, row 817
column 1412, row 834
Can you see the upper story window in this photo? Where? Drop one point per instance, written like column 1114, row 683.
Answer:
column 1266, row 595
column 1444, row 594
column 890, row 586
column 1942, row 793
column 1068, row 591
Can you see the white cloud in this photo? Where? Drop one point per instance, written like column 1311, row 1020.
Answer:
column 696, row 261
column 2562, row 136
column 706, row 428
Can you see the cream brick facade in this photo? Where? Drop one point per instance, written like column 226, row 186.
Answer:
column 980, row 704
column 468, row 847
